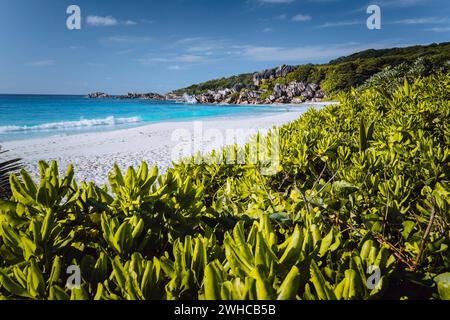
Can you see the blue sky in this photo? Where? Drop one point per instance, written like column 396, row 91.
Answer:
column 159, row 46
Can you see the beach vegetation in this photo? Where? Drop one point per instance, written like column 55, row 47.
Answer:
column 358, row 208
column 8, row 166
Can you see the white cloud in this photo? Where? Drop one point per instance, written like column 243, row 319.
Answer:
column 189, row 58
column 108, row 21
column 174, row 67
column 126, row 39
column 272, row 54
column 304, row 54
column 439, row 29
column 340, row 24
column 41, row 63
column 201, row 48
column 428, row 20
column 184, row 58
column 301, row 17
column 189, row 40
column 265, row 30
column 98, row 21
column 129, row 23
column 202, row 45
column 154, row 59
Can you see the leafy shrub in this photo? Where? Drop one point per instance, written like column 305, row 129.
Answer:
column 265, row 95
column 7, row 167
column 391, row 77
column 218, row 84
column 360, row 185
column 307, row 73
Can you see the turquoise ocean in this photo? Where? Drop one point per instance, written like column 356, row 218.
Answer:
column 32, row 116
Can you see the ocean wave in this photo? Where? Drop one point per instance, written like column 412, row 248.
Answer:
column 108, row 121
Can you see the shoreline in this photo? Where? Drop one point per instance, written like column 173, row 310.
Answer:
column 61, row 128
column 93, row 154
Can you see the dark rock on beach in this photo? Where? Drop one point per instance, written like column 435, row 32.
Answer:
column 292, row 92
column 147, row 96
column 98, row 95
column 238, row 87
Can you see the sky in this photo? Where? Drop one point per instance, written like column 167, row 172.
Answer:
column 159, row 46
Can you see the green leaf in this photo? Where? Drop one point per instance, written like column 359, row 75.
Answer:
column 57, row 293
column 326, row 243
column 443, row 284
column 323, row 289
column 290, row 286
column 12, row 286
column 211, row 282
column 35, row 280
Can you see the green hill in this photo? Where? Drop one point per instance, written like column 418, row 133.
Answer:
column 217, row 84
column 342, row 73
column 410, row 53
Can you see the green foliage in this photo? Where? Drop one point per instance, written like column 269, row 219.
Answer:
column 353, row 71
column 360, row 185
column 217, row 84
column 443, row 284
column 391, row 77
column 266, row 94
column 308, row 73
column 7, row 167
column 439, row 52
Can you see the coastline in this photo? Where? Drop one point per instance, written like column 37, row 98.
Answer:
column 94, row 154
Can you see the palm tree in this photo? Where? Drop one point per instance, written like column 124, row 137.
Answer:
column 7, row 167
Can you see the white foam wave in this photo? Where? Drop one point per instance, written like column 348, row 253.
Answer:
column 189, row 99
column 108, row 121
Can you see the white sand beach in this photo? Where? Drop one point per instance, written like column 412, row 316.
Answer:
column 94, row 154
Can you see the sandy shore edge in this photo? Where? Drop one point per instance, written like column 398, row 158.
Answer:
column 94, row 154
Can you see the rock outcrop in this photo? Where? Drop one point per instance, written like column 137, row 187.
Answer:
column 238, row 87
column 240, row 93
column 147, row 96
column 98, row 95
column 293, row 92
column 281, row 71
column 171, row 96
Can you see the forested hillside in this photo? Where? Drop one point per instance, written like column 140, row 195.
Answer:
column 340, row 74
